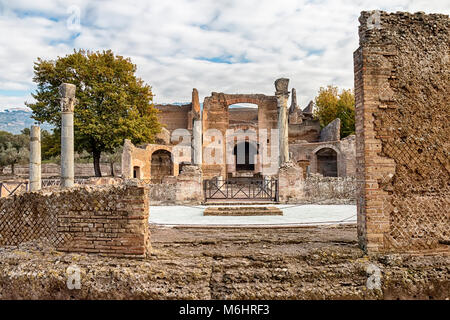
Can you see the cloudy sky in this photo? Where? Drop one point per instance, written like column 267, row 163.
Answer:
column 233, row 46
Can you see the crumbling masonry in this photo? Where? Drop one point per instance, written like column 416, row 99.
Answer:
column 402, row 91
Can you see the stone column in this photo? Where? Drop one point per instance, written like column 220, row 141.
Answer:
column 35, row 158
column 68, row 100
column 197, row 143
column 282, row 94
column 127, row 158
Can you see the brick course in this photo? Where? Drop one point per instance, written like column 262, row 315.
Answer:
column 110, row 220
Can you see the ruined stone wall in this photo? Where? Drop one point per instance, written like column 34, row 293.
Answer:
column 110, row 220
column 139, row 159
column 330, row 190
column 175, row 117
column 332, row 132
column 216, row 116
column 54, row 170
column 308, row 130
column 402, row 90
column 186, row 188
column 291, row 183
column 305, row 154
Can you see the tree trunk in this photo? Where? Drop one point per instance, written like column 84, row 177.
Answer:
column 112, row 168
column 12, row 169
column 96, row 155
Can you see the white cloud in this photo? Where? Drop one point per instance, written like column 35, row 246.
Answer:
column 310, row 42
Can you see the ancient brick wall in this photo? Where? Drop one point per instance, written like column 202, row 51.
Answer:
column 175, row 117
column 243, row 115
column 308, row 130
column 186, row 188
column 305, row 154
column 110, row 220
column 216, row 116
column 137, row 161
column 402, row 88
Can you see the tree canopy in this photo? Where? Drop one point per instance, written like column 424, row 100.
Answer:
column 331, row 104
column 113, row 104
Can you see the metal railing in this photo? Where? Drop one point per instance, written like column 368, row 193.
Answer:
column 10, row 188
column 218, row 189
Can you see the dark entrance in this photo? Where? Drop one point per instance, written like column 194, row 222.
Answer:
column 162, row 165
column 327, row 162
column 245, row 153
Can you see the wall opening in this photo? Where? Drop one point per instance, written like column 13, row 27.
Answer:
column 327, row 162
column 162, row 165
column 136, row 172
column 245, row 154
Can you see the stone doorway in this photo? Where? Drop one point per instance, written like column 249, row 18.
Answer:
column 162, row 165
column 327, row 162
column 245, row 154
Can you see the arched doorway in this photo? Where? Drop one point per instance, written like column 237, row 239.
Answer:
column 162, row 165
column 327, row 162
column 245, row 153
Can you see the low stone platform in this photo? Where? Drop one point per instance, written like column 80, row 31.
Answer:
column 242, row 211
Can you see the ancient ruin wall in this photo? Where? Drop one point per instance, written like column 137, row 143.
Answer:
column 402, row 123
column 109, row 220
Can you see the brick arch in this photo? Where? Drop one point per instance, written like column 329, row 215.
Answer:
column 216, row 116
column 159, row 148
column 231, row 99
column 339, row 160
column 326, row 146
column 156, row 148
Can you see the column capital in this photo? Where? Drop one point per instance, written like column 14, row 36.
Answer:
column 68, row 100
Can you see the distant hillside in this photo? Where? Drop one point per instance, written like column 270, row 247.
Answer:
column 15, row 120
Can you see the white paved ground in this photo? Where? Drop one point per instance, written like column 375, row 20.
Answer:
column 292, row 215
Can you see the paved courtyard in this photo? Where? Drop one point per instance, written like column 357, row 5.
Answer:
column 292, row 215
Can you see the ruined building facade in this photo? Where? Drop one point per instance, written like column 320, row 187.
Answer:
column 313, row 149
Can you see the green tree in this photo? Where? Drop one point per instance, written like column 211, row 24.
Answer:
column 113, row 158
column 10, row 155
column 50, row 144
column 113, row 104
column 330, row 104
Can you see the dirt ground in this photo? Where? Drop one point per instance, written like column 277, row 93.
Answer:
column 228, row 263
